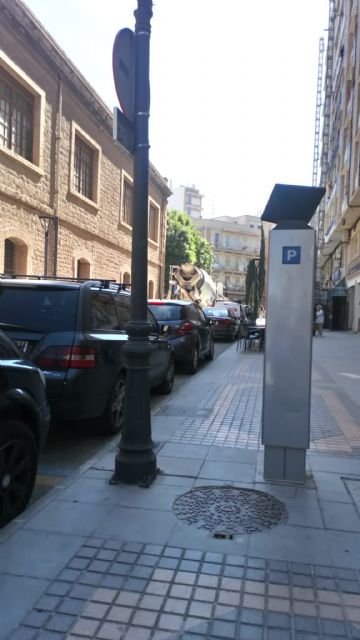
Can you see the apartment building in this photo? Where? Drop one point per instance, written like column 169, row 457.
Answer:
column 186, row 199
column 66, row 188
column 235, row 241
column 338, row 219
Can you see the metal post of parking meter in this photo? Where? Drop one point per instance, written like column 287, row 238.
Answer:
column 289, row 318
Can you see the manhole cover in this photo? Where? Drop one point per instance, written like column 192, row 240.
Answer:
column 229, row 510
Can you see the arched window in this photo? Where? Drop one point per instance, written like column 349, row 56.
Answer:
column 15, row 257
column 151, row 289
column 126, row 278
column 83, row 269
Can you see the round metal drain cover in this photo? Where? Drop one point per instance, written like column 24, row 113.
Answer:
column 229, row 510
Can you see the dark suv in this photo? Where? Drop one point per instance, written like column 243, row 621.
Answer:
column 189, row 330
column 24, row 422
column 75, row 332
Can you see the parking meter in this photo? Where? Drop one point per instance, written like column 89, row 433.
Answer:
column 289, row 321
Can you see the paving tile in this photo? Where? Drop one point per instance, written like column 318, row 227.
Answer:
column 128, row 598
column 222, row 629
column 175, row 605
column 95, row 610
column 151, row 602
column 36, row 618
column 200, row 609
column 206, row 595
column 145, row 618
column 158, row 588
column 171, row 622
column 85, row 627
column 279, row 620
column 253, row 601
column 119, row 614
column 60, row 622
column 137, row 633
column 181, row 591
column 305, row 608
column 250, row 632
column 278, row 604
column 110, row 631
column 104, row 595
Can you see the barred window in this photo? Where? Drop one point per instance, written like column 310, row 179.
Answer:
column 83, row 168
column 9, row 257
column 16, row 117
column 127, row 203
column 153, row 222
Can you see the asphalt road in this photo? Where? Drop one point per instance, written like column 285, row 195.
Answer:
column 68, row 449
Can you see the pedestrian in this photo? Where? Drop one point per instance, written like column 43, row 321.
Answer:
column 319, row 320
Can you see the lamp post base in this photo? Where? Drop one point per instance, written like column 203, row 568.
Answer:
column 135, row 468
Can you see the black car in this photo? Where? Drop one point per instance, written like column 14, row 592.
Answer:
column 225, row 323
column 189, row 331
column 24, row 423
column 75, row 332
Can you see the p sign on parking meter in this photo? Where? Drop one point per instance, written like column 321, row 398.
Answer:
column 291, row 255
column 289, row 316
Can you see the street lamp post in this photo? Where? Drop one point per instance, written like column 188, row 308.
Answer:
column 135, row 462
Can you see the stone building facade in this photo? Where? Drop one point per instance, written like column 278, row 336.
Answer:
column 338, row 219
column 235, row 241
column 65, row 185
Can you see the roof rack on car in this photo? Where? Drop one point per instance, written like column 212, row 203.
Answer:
column 104, row 283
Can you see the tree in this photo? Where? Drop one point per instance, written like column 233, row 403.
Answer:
column 204, row 253
column 185, row 244
column 261, row 269
column 255, row 278
column 250, row 284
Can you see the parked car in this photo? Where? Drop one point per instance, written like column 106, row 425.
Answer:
column 24, row 423
column 225, row 323
column 189, row 331
column 75, row 332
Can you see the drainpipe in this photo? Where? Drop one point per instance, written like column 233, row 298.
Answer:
column 57, row 173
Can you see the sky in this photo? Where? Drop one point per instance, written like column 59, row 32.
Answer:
column 233, row 87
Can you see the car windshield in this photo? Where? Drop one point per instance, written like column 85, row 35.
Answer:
column 216, row 313
column 166, row 311
column 38, row 308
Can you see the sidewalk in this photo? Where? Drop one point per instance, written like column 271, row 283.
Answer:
column 93, row 560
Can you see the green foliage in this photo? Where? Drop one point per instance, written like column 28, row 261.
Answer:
column 185, row 244
column 204, row 253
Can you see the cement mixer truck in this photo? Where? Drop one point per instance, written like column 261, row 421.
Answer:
column 188, row 282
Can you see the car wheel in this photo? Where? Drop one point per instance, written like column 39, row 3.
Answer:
column 167, row 384
column 210, row 353
column 114, row 414
column 18, row 466
column 192, row 366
